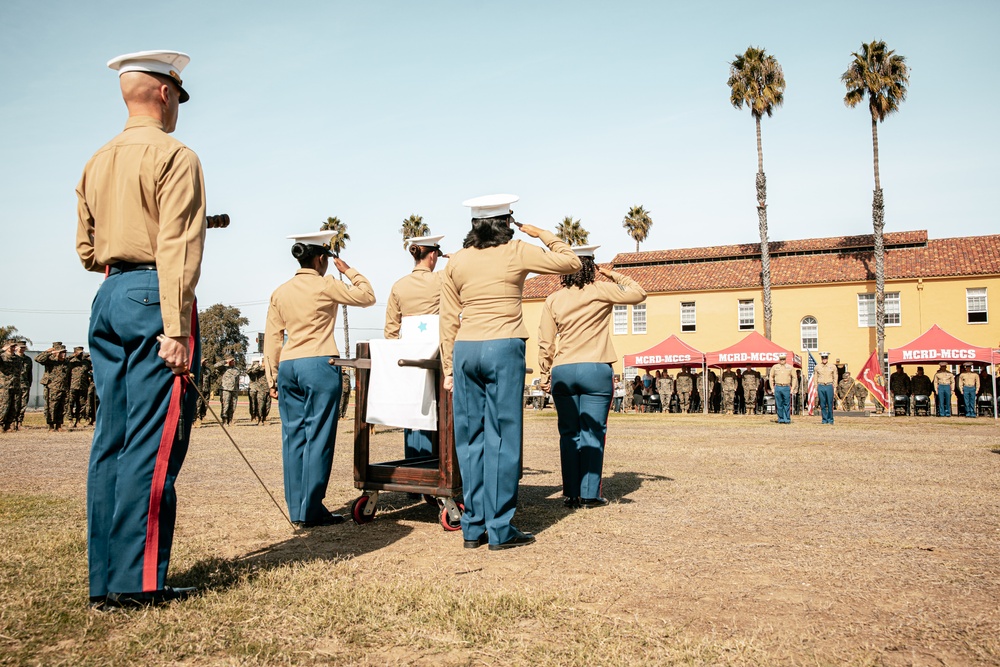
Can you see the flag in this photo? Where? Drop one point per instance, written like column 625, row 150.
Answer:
column 873, row 380
column 813, row 389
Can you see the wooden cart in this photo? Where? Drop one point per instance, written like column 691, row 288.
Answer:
column 436, row 477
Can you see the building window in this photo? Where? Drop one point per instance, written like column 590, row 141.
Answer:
column 810, row 333
column 745, row 314
column 975, row 304
column 866, row 310
column 621, row 319
column 687, row 316
column 639, row 318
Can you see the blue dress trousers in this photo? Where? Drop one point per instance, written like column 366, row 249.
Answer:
column 489, row 386
column 825, row 394
column 309, row 392
column 944, row 400
column 969, row 396
column 136, row 453
column 783, row 403
column 582, row 395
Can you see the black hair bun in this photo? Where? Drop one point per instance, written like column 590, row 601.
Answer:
column 300, row 251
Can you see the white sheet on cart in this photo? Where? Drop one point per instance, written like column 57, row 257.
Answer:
column 402, row 396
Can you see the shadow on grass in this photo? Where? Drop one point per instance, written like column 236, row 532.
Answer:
column 327, row 543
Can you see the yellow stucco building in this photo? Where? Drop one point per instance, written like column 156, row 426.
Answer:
column 822, row 291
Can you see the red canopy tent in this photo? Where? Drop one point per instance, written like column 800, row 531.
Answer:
column 753, row 351
column 936, row 345
column 669, row 353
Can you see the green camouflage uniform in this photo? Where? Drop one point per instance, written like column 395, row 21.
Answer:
column 26, row 369
column 230, row 384
column 79, row 382
column 10, row 389
column 751, row 383
column 260, row 395
column 729, row 382
column 684, row 384
column 845, row 392
column 205, row 382
column 860, row 395
column 56, row 381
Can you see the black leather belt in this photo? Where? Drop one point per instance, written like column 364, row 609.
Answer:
column 125, row 267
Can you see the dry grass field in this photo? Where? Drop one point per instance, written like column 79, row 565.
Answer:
column 729, row 541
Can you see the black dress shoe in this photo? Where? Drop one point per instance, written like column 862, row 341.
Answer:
column 98, row 602
column 330, row 519
column 519, row 541
column 571, row 503
column 149, row 599
column 480, row 541
column 594, row 502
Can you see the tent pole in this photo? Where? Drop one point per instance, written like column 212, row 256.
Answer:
column 704, row 387
column 993, row 390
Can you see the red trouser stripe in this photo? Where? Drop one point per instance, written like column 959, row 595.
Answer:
column 151, row 560
column 151, row 557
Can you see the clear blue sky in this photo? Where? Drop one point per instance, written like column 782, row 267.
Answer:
column 371, row 111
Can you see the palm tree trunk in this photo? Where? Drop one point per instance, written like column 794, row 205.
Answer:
column 765, row 251
column 878, row 226
column 637, row 245
column 347, row 330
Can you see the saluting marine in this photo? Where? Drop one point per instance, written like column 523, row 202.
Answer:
column 482, row 356
column 26, row 376
column 229, row 389
column 578, row 372
column 258, row 392
column 300, row 375
column 56, row 382
column 10, row 386
column 79, row 382
column 417, row 295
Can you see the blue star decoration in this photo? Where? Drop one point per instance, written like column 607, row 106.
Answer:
column 422, row 327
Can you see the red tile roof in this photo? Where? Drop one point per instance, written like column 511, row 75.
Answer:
column 908, row 255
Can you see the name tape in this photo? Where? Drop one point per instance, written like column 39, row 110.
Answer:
column 909, row 355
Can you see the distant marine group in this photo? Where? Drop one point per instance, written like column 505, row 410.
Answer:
column 69, row 396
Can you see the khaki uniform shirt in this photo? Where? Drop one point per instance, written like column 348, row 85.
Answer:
column 484, row 286
column 968, row 379
column 416, row 294
column 825, row 373
column 305, row 308
column 141, row 199
column 944, row 377
column 783, row 373
column 580, row 320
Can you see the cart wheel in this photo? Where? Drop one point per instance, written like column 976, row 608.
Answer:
column 430, row 500
column 447, row 522
column 358, row 511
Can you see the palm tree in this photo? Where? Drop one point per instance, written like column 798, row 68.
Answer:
column 337, row 243
column 572, row 232
column 412, row 227
column 756, row 79
column 882, row 76
column 637, row 224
